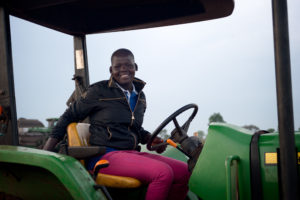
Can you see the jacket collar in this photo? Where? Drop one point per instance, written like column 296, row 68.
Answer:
column 138, row 83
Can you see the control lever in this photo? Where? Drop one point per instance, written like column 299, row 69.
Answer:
column 173, row 144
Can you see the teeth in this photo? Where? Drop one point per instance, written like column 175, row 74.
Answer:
column 124, row 76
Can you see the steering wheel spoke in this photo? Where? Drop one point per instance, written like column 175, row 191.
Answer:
column 179, row 129
column 179, row 133
column 186, row 125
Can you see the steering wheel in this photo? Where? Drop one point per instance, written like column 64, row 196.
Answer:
column 181, row 132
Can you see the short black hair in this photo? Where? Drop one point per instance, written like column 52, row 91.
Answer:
column 122, row 52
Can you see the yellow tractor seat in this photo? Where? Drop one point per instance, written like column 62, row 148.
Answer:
column 78, row 147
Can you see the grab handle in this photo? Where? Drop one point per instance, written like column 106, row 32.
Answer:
column 228, row 163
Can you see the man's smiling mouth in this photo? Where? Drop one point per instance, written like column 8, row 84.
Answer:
column 124, row 76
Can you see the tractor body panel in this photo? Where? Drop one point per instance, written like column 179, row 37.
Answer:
column 35, row 174
column 215, row 178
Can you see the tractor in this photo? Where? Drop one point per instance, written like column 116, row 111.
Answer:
column 233, row 163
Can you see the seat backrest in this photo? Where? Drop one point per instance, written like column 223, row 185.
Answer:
column 78, row 142
column 78, row 134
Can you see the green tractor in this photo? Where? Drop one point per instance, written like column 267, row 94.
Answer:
column 234, row 163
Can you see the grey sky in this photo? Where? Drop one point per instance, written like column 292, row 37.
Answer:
column 224, row 65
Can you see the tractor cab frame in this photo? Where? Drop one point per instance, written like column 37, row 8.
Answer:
column 79, row 18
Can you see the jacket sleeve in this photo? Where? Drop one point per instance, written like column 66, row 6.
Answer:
column 145, row 135
column 77, row 111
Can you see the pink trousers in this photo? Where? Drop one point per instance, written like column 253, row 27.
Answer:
column 167, row 178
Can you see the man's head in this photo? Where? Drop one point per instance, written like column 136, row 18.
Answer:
column 123, row 67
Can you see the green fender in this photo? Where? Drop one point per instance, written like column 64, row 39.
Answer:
column 224, row 143
column 225, row 159
column 36, row 174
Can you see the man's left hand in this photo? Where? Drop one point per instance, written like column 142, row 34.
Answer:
column 157, row 141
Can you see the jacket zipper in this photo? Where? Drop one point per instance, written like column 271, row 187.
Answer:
column 109, row 99
column 132, row 117
column 110, row 134
column 132, row 112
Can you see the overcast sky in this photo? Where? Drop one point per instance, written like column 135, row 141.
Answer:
column 224, row 65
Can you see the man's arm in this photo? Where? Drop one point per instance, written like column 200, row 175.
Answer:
column 50, row 144
column 145, row 136
column 77, row 111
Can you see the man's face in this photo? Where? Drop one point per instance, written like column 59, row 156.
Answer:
column 123, row 70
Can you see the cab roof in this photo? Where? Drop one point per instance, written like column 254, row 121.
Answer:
column 80, row 17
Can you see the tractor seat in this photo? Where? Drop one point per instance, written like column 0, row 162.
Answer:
column 79, row 148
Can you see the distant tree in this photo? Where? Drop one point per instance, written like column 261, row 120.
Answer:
column 216, row 117
column 251, row 127
column 163, row 134
column 201, row 135
column 271, row 130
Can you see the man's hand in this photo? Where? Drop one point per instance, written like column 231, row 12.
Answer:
column 160, row 149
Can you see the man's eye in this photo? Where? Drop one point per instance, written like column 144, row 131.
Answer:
column 127, row 66
column 130, row 66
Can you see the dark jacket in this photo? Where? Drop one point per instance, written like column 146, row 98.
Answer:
column 113, row 123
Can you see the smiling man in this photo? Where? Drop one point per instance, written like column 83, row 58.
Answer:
column 115, row 107
column 116, row 110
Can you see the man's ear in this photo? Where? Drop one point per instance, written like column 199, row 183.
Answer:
column 136, row 66
column 110, row 69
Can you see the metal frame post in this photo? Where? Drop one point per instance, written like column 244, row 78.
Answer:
column 7, row 89
column 81, row 64
column 288, row 161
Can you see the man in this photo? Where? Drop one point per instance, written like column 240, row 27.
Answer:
column 106, row 103
column 116, row 110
